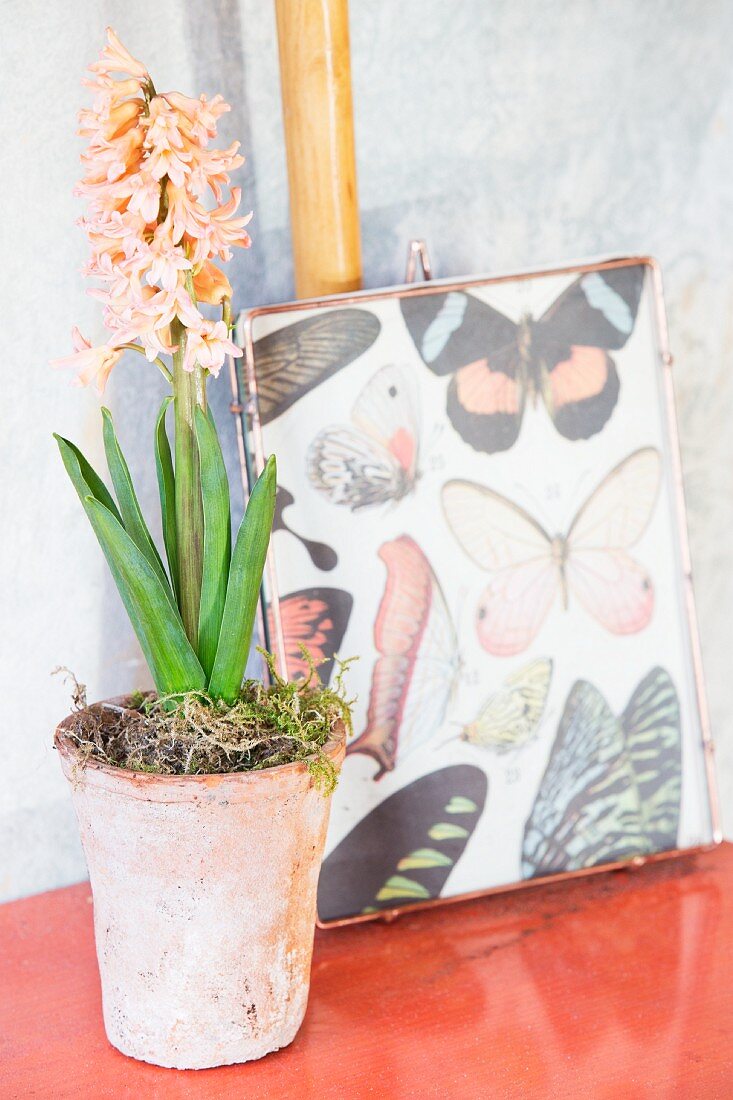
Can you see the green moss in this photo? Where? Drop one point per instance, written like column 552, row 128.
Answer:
column 192, row 734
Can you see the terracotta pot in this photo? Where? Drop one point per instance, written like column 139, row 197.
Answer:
column 204, row 894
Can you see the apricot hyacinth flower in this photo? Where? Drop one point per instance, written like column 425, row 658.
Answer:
column 92, row 364
column 208, row 346
column 148, row 171
column 160, row 217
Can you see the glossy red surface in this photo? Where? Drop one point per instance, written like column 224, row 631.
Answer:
column 619, row 985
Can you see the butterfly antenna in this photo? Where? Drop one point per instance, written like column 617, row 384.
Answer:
column 449, row 740
column 581, row 478
column 433, row 437
column 461, row 603
column 540, row 510
column 579, row 497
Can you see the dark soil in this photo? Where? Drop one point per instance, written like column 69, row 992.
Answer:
column 193, row 734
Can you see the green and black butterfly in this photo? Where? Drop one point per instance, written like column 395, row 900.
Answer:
column 611, row 789
column 404, row 850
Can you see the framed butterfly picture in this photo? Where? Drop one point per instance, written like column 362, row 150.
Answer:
column 480, row 496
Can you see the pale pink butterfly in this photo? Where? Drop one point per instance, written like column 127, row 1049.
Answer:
column 529, row 568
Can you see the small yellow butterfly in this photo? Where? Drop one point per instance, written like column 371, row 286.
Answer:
column 511, row 716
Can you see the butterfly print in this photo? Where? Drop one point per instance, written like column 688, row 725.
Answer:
column 611, row 790
column 375, row 460
column 293, row 360
column 528, row 567
column 416, row 670
column 403, row 851
column 316, row 618
column 497, row 367
column 510, row 718
column 324, row 557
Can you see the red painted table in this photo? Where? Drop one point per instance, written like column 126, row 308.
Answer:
column 619, row 985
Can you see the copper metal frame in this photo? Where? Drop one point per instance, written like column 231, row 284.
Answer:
column 417, row 251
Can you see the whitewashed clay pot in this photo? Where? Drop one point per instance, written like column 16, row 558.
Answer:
column 204, row 894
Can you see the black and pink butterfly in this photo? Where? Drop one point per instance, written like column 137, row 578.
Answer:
column 498, row 366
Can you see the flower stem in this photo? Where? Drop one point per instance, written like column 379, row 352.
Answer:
column 158, row 362
column 189, row 390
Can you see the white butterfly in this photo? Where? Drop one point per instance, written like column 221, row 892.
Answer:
column 511, row 716
column 528, row 567
column 375, row 460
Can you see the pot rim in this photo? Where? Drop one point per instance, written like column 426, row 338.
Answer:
column 154, row 787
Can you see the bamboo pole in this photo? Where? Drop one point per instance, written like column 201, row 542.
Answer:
column 315, row 79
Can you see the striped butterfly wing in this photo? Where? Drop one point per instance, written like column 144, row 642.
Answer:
column 316, row 618
column 293, row 360
column 652, row 729
column 418, row 659
column 403, row 851
column 612, row 785
column 585, row 812
column 352, row 470
column 511, row 716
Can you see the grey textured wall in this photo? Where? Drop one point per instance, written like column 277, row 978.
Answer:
column 507, row 134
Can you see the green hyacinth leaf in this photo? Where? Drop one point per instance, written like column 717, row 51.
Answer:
column 167, row 492
column 132, row 517
column 173, row 664
column 83, row 474
column 243, row 588
column 217, row 538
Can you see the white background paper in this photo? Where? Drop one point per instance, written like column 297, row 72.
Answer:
column 551, row 478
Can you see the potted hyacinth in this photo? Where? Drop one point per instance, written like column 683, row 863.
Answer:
column 202, row 805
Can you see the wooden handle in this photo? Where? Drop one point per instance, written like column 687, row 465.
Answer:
column 315, row 77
